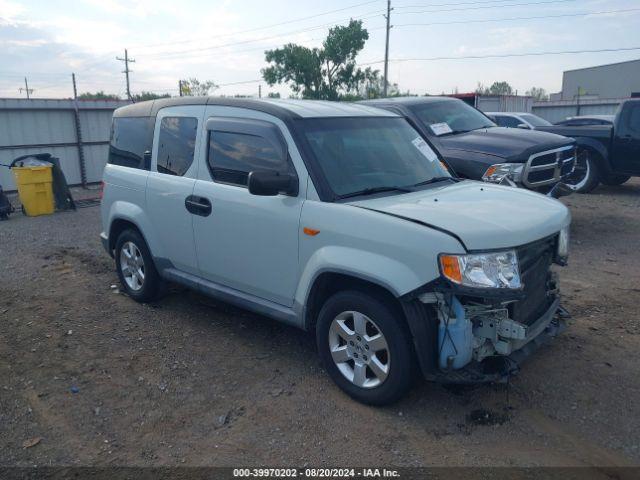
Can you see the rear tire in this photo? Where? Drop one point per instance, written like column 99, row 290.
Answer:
column 614, row 179
column 135, row 267
column 365, row 346
column 586, row 175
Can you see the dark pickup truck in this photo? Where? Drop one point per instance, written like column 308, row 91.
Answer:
column 476, row 148
column 606, row 153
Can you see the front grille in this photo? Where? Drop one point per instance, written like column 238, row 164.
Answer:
column 535, row 260
column 548, row 167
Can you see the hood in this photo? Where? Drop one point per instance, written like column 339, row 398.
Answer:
column 483, row 216
column 513, row 144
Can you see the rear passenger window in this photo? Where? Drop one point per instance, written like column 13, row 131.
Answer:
column 233, row 155
column 130, row 138
column 176, row 144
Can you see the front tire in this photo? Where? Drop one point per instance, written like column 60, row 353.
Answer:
column 586, row 174
column 135, row 267
column 365, row 347
column 614, row 180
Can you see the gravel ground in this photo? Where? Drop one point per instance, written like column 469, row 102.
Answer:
column 89, row 377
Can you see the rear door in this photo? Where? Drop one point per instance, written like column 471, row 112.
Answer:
column 626, row 141
column 247, row 242
column 170, row 183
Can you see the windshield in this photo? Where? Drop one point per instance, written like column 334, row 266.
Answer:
column 451, row 116
column 535, row 120
column 363, row 153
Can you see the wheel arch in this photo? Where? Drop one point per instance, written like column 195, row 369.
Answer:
column 329, row 282
column 602, row 155
column 119, row 225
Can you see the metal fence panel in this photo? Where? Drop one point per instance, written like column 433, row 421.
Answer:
column 555, row 111
column 48, row 126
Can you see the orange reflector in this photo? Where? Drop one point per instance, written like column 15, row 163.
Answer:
column 490, row 171
column 451, row 268
column 310, row 231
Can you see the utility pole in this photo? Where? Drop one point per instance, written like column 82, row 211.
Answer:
column 26, row 88
column 386, row 49
column 259, row 90
column 76, row 120
column 126, row 70
column 180, row 87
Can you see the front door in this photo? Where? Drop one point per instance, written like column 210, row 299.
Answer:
column 626, row 142
column 247, row 242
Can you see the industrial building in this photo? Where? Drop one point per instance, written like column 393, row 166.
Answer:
column 616, row 80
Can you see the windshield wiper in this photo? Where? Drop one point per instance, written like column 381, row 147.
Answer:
column 434, row 180
column 369, row 191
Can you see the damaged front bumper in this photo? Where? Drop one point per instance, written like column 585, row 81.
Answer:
column 498, row 368
column 492, row 350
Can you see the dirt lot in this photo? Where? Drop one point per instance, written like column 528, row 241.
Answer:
column 101, row 380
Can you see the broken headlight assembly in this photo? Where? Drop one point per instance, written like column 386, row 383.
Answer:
column 503, row 171
column 482, row 270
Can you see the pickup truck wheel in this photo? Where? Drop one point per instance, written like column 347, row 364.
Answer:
column 365, row 347
column 614, row 179
column 137, row 273
column 585, row 176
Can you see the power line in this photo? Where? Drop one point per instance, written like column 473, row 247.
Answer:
column 422, row 5
column 489, row 20
column 286, row 22
column 545, row 2
column 168, row 54
column 506, row 55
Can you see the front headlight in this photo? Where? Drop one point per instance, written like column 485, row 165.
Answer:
column 563, row 245
column 497, row 173
column 482, row 270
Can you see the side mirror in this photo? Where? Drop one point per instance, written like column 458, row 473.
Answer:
column 269, row 184
column 524, row 126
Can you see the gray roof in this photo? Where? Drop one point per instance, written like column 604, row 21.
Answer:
column 277, row 107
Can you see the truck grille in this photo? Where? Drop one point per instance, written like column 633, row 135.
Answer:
column 535, row 261
column 546, row 168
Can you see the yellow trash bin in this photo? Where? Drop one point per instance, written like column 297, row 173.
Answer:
column 35, row 188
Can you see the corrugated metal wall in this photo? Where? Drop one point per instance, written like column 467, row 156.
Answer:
column 48, row 126
column 561, row 109
column 504, row 103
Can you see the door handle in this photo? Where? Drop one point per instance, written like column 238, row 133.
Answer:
column 198, row 205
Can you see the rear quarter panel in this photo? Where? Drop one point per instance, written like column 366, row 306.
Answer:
column 124, row 198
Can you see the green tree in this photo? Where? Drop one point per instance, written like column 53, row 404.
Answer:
column 142, row 96
column 496, row 88
column 500, row 88
column 193, row 87
column 539, row 94
column 98, row 96
column 329, row 72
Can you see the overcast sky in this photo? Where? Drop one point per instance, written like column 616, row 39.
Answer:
column 224, row 41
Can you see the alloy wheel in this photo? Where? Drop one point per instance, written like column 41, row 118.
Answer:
column 359, row 349
column 132, row 266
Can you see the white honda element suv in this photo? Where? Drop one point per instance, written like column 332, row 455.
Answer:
column 341, row 220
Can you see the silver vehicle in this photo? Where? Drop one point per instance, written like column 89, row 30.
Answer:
column 524, row 120
column 340, row 220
